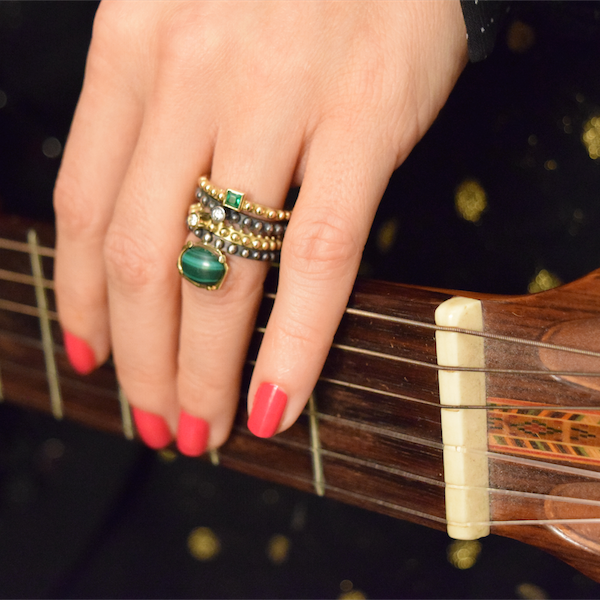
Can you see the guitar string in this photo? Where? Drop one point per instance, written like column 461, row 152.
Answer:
column 419, row 363
column 429, row 516
column 435, row 445
column 414, row 440
column 282, row 441
column 49, row 252
column 33, row 311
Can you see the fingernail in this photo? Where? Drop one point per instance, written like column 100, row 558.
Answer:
column 153, row 429
column 267, row 410
column 192, row 435
column 80, row 355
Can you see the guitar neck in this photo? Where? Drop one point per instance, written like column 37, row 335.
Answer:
column 371, row 434
column 366, row 422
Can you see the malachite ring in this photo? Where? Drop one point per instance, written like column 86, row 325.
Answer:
column 202, row 265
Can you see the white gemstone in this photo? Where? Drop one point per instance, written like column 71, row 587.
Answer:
column 218, row 214
column 193, row 220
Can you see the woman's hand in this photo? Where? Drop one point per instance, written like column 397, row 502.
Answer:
column 261, row 96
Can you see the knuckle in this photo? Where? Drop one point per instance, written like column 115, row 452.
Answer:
column 302, row 334
column 321, row 246
column 74, row 210
column 132, row 261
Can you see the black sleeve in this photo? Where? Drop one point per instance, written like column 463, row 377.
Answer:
column 482, row 18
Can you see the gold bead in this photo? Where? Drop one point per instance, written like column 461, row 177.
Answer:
column 281, row 215
column 235, row 237
column 258, row 210
column 271, row 214
column 256, row 244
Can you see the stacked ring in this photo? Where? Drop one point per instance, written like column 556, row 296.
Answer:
column 227, row 223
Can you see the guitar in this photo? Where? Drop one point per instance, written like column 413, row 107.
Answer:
column 375, row 432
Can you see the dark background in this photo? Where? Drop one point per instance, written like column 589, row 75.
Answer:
column 84, row 514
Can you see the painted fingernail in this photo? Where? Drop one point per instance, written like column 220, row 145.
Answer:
column 192, row 435
column 80, row 355
column 153, row 429
column 267, row 410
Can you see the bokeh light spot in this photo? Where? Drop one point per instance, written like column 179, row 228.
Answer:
column 203, row 544
column 470, row 200
column 463, row 554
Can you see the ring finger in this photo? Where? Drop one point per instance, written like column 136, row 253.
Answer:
column 217, row 325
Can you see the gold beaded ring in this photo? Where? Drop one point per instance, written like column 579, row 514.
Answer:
column 201, row 220
column 237, row 201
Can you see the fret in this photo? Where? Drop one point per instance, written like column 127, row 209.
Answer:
column 44, row 320
column 213, row 456
column 315, row 447
column 126, row 420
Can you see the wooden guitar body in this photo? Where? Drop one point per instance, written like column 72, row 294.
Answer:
column 371, row 434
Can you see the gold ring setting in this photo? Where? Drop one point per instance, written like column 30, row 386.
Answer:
column 226, row 223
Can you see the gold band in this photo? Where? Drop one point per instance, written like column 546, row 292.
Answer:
column 197, row 219
column 237, row 201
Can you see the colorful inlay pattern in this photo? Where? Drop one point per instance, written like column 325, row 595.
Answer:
column 543, row 432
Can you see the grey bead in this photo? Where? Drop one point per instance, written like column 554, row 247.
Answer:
column 232, row 249
column 266, row 256
column 255, row 254
column 278, row 229
column 219, row 243
column 234, row 217
column 198, row 193
column 245, row 252
column 268, row 229
column 247, row 222
column 207, row 237
column 257, row 226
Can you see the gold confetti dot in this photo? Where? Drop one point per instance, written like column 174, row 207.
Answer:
column 463, row 554
column 532, row 140
column 278, row 549
column 203, row 544
column 543, row 280
column 550, row 165
column 386, row 236
column 520, row 37
column 346, row 585
column 470, row 200
column 591, row 137
column 529, row 591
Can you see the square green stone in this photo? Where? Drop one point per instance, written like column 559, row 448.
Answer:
column 233, row 199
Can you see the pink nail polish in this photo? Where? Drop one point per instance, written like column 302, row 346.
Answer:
column 80, row 355
column 267, row 410
column 192, row 435
column 153, row 429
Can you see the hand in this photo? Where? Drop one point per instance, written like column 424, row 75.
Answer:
column 261, row 96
